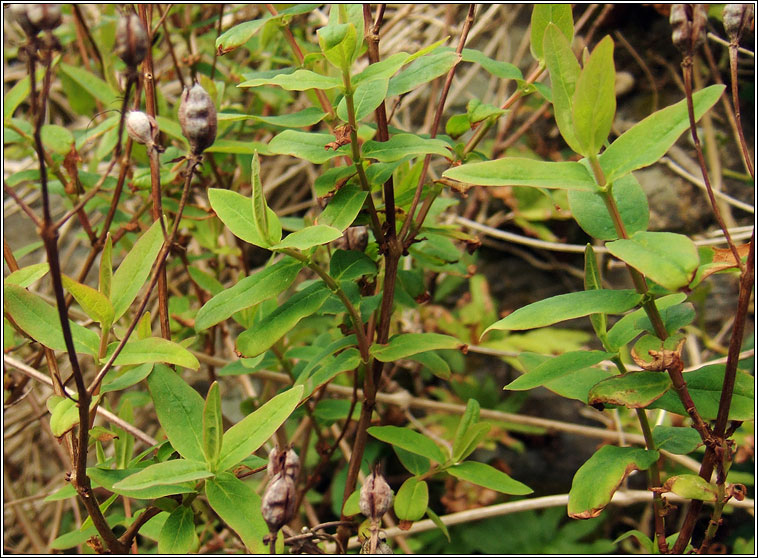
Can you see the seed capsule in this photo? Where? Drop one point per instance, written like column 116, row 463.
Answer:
column 131, row 40
column 278, row 503
column 141, row 127
column 19, row 12
column 688, row 26
column 283, row 461
column 44, row 17
column 376, row 496
column 197, row 116
column 737, row 18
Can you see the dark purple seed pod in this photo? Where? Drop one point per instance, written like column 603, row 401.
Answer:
column 278, row 504
column 19, row 12
column 737, row 19
column 131, row 40
column 281, row 461
column 376, row 496
column 44, row 17
column 687, row 26
column 197, row 117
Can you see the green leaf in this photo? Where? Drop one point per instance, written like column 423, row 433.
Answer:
column 400, row 146
column 178, row 533
column 108, row 477
column 154, row 349
column 300, row 119
column 634, row 390
column 383, row 69
column 180, row 411
column 367, row 96
column 438, row 522
column 591, row 213
column 594, row 103
column 260, row 207
column 222, row 145
column 692, row 487
column 416, row 464
column 304, row 145
column 338, row 43
column 251, row 433
column 557, row 367
column 248, row 292
column 106, row 268
column 238, row 35
column 645, row 542
column 57, row 139
column 422, row 70
column 434, row 362
column 627, row 328
column 568, row 306
column 669, row 259
column 503, row 70
column 487, row 476
column 306, row 238
column 16, row 95
column 240, row 508
column 409, row 440
column 135, row 269
column 350, row 264
column 343, row 208
column 205, row 280
column 469, row 418
column 299, row 80
column 593, row 282
column 42, row 322
column 175, row 471
column 213, row 428
column 27, row 276
column 704, row 385
column 346, row 360
column 517, row 171
column 596, row 481
column 407, row 344
column 95, row 304
column 93, row 85
column 564, row 74
column 411, row 500
column 130, row 377
column 542, row 15
column 277, row 324
column 235, row 211
column 352, row 504
column 65, row 415
column 676, row 439
column 647, row 141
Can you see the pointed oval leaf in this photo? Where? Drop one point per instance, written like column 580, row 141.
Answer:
column 235, row 211
column 306, row 238
column 422, row 70
column 106, row 268
column 65, row 415
column 42, row 322
column 594, row 103
column 568, row 306
column 680, row 440
column 487, row 476
column 250, row 433
column 629, row 326
column 634, row 390
column 411, row 500
column 590, row 211
column 178, row 533
column 367, row 96
column 409, row 440
column 557, row 367
column 350, row 264
column 27, row 276
column 240, row 508
column 564, row 74
column 260, row 207
column 175, row 471
column 238, row 35
column 274, row 326
column 407, row 344
column 180, row 411
column 343, row 208
column 154, row 349
column 248, row 292
column 544, row 14
column 400, row 146
column 692, row 487
column 649, row 140
column 518, row 171
column 213, row 429
column 597, row 480
column 95, row 304
column 305, row 145
column 299, row 80
column 116, row 380
column 669, row 259
column 416, row 464
column 135, row 269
